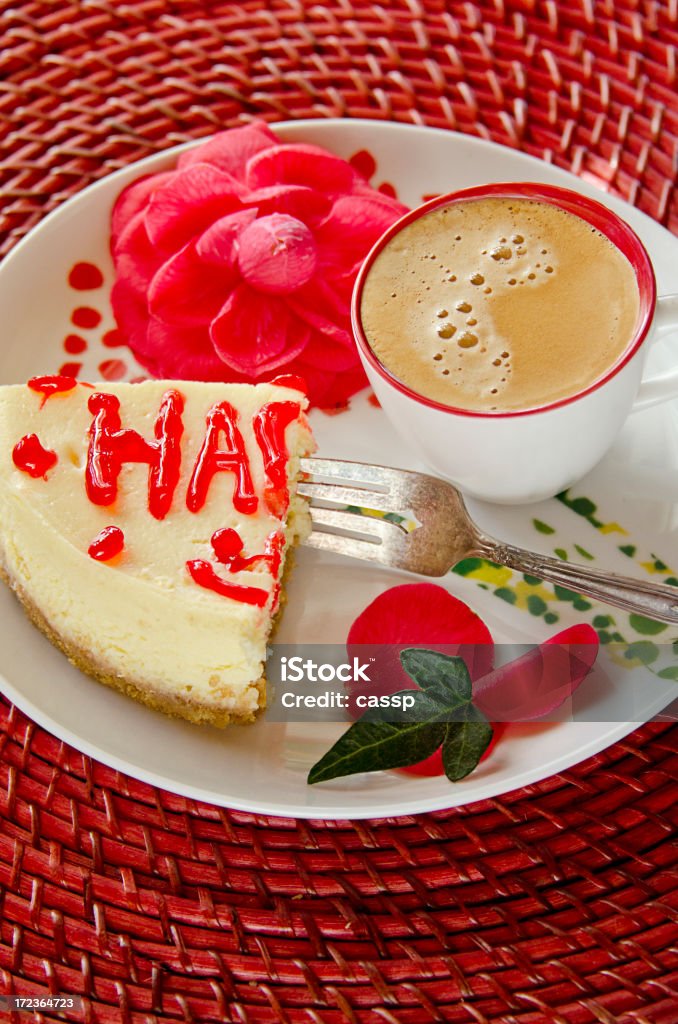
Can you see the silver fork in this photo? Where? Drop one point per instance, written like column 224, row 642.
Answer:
column 429, row 530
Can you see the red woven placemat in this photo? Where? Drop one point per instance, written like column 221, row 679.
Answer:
column 557, row 904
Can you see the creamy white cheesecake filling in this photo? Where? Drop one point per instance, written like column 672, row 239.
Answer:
column 141, row 617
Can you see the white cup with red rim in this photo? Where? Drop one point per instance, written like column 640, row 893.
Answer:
column 532, row 454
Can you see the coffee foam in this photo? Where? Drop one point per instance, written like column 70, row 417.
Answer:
column 499, row 304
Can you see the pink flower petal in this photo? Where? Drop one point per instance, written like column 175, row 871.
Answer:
column 254, row 335
column 133, row 199
column 189, row 202
column 184, row 291
column 321, row 309
column 325, row 354
column 306, row 204
column 136, row 260
column 277, row 254
column 218, row 244
column 300, row 164
column 230, row 150
column 174, row 353
column 354, row 225
column 130, row 311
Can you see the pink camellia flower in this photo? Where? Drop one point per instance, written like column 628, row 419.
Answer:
column 239, row 264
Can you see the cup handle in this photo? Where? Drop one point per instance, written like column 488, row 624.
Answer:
column 665, row 385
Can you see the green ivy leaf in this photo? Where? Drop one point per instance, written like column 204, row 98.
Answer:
column 465, row 743
column 438, row 674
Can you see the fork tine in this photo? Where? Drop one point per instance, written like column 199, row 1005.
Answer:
column 356, row 472
column 367, row 526
column 342, row 545
column 376, row 500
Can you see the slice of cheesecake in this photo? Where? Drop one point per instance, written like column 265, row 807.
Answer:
column 145, row 528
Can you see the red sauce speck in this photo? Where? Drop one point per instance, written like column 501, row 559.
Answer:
column 113, row 339
column 48, row 386
column 31, row 457
column 227, row 546
column 107, row 544
column 387, row 189
column 85, row 277
column 363, row 162
column 335, row 410
column 112, row 369
column 203, row 574
column 70, row 369
column 85, row 316
column 373, row 400
column 74, row 344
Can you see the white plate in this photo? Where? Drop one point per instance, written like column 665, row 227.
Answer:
column 263, row 767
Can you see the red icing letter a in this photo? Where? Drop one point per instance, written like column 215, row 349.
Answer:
column 222, row 419
column 110, row 446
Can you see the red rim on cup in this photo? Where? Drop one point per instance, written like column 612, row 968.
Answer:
column 590, row 210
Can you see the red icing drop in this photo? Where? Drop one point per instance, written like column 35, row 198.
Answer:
column 112, row 369
column 70, row 369
column 373, row 400
column 74, row 344
column 222, row 419
column 107, row 544
column 113, row 339
column 31, row 457
column 85, row 277
column 203, row 574
column 48, row 386
column 269, row 425
column 85, row 316
column 110, row 446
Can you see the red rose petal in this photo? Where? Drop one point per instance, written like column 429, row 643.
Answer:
column 184, row 291
column 415, row 615
column 189, row 202
column 300, row 164
column 323, row 353
column 539, row 681
column 318, row 306
column 254, row 336
column 230, row 150
column 218, row 243
column 133, row 200
column 131, row 313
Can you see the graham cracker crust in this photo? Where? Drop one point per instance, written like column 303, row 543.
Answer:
column 175, row 706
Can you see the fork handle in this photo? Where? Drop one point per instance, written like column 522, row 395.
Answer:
column 654, row 600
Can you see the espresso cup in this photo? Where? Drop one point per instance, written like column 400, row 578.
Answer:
column 524, row 454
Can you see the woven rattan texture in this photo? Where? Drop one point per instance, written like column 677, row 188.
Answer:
column 554, row 905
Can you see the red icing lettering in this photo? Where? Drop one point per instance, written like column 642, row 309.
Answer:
column 270, row 424
column 110, row 447
column 227, row 546
column 48, row 386
column 107, row 544
column 203, row 574
column 291, row 380
column 32, row 458
column 222, row 419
